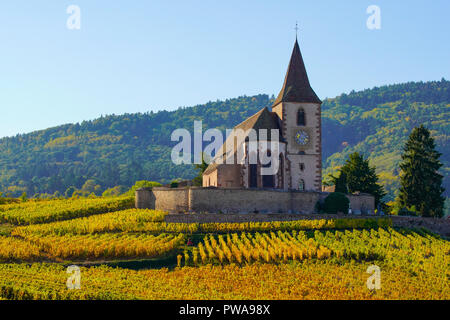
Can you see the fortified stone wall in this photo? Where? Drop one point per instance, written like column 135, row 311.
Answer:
column 172, row 200
column 238, row 200
column 214, row 200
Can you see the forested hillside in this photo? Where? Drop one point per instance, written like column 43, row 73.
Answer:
column 377, row 122
column 118, row 150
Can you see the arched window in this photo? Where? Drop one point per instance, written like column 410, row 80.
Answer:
column 301, row 185
column 268, row 181
column 301, row 118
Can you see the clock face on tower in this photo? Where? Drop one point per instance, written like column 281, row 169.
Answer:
column 301, row 137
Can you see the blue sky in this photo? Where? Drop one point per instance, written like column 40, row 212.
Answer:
column 137, row 56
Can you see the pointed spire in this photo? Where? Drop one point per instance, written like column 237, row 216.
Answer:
column 296, row 87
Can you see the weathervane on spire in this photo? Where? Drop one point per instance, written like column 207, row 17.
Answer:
column 296, row 29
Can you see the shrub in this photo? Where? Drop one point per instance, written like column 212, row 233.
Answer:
column 319, row 207
column 114, row 192
column 408, row 212
column 336, row 202
column 399, row 210
column 142, row 184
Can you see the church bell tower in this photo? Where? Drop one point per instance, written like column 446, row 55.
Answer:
column 299, row 109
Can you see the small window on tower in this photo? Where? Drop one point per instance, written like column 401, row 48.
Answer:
column 301, row 118
column 302, row 167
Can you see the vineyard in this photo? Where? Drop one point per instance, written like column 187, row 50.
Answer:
column 306, row 280
column 150, row 221
column 416, row 253
column 106, row 246
column 13, row 249
column 247, row 248
column 302, row 259
column 32, row 212
column 131, row 220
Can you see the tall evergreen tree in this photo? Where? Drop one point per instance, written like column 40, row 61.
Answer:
column 358, row 175
column 421, row 183
column 340, row 182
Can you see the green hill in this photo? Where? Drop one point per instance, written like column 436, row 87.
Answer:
column 118, row 150
column 377, row 122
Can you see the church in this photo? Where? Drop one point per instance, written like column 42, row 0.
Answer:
column 296, row 115
column 288, row 133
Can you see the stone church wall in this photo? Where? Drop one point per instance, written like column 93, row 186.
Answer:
column 211, row 179
column 222, row 200
column 229, row 176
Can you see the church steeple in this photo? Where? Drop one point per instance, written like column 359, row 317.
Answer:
column 296, row 87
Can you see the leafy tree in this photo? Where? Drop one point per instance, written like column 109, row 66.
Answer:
column 421, row 183
column 357, row 175
column 114, row 192
column 23, row 197
column 70, row 191
column 57, row 194
column 91, row 187
column 82, row 194
column 198, row 180
column 447, row 207
column 142, row 184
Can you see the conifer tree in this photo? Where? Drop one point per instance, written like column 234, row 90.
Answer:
column 421, row 183
column 340, row 183
column 358, row 175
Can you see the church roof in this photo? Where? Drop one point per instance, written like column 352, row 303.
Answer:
column 296, row 87
column 263, row 119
